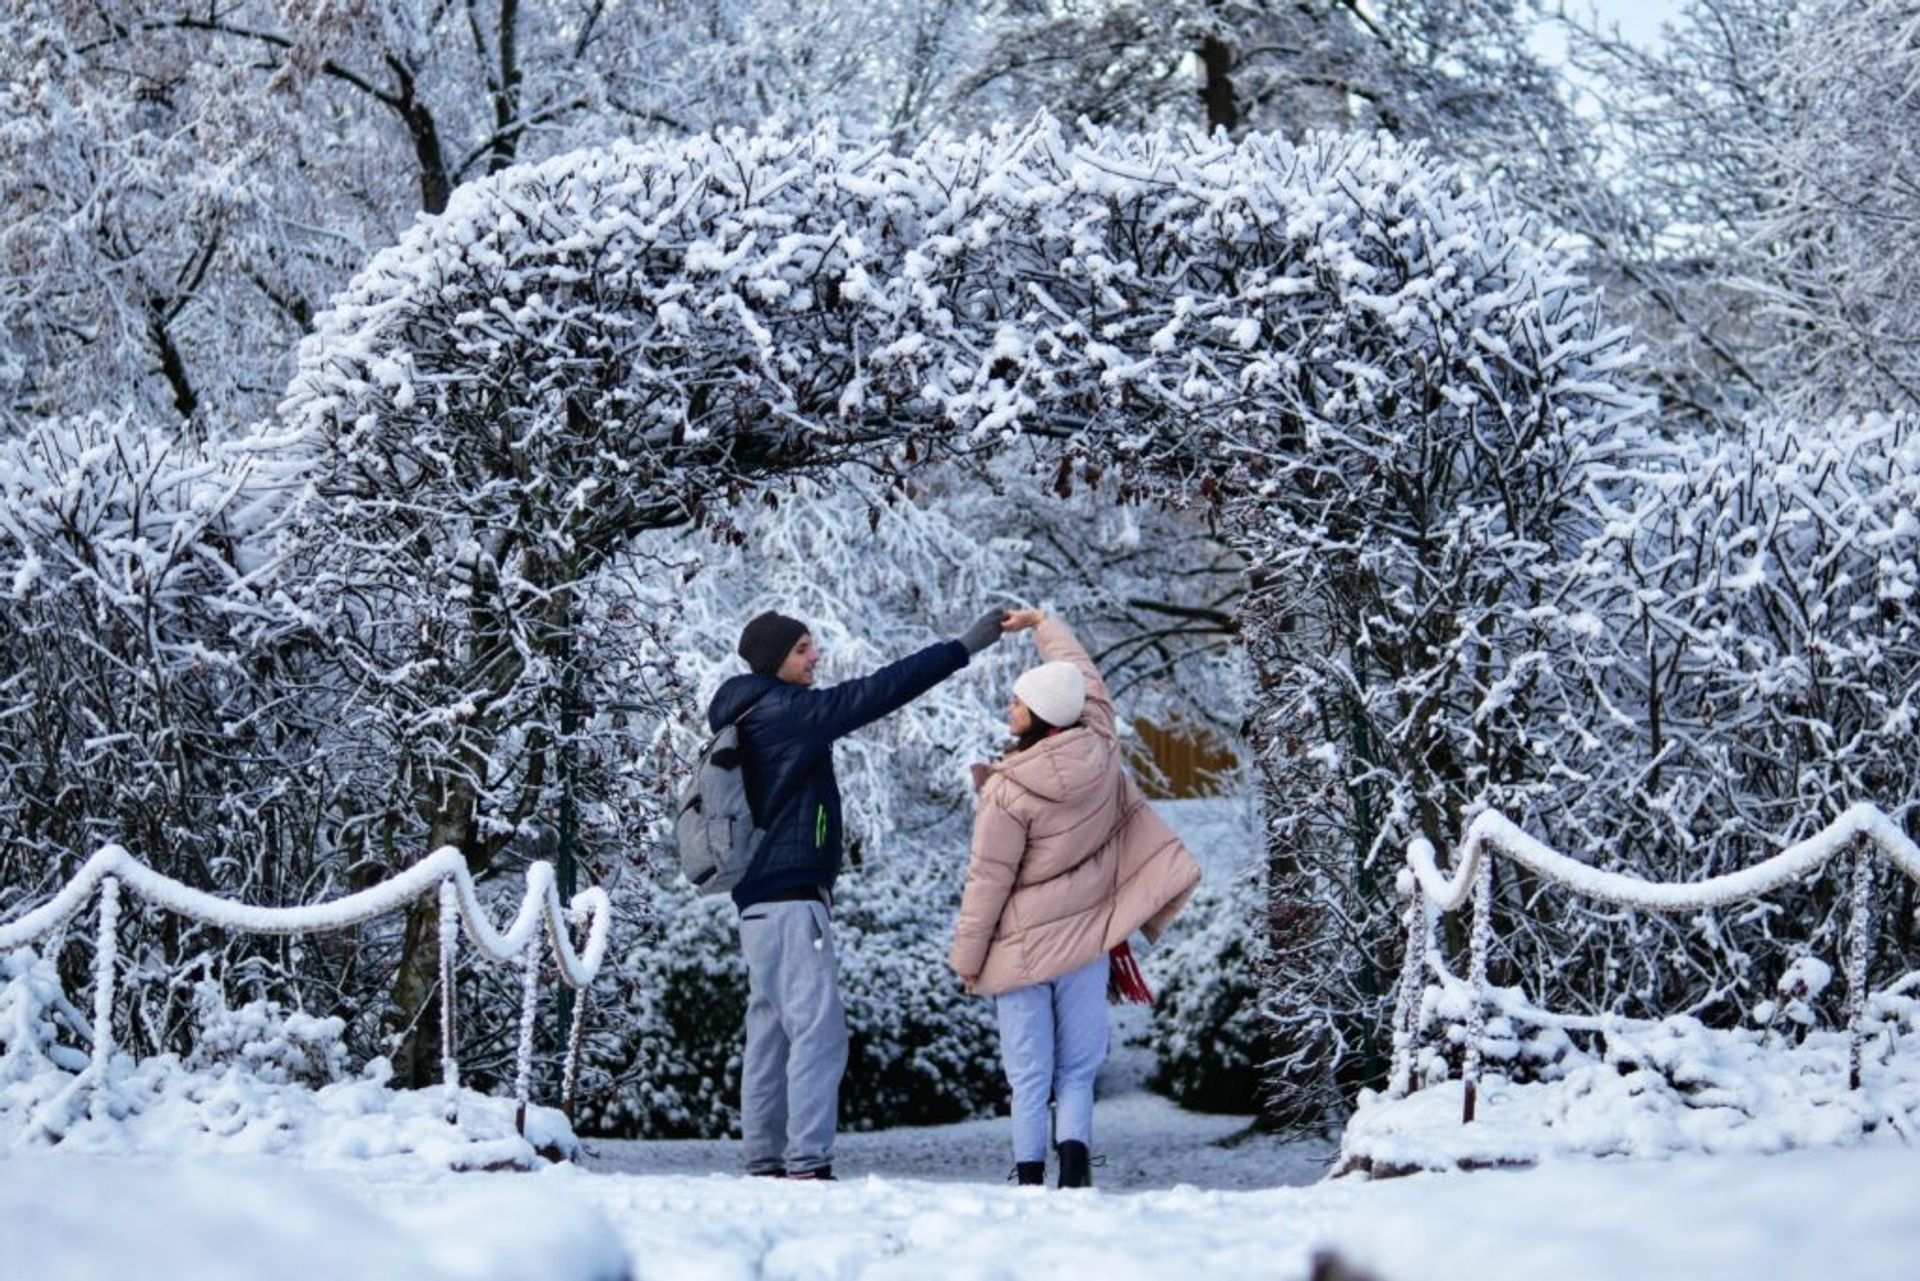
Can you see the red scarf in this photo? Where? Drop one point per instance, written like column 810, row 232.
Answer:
column 1125, row 982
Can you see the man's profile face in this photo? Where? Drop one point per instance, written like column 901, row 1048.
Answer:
column 797, row 667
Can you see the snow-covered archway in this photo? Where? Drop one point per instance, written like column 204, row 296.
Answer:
column 1380, row 382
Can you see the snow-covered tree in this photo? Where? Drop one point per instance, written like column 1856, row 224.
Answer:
column 1366, row 363
column 1462, row 76
column 1758, row 171
column 153, row 696
column 186, row 184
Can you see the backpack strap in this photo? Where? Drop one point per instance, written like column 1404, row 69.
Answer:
column 780, row 811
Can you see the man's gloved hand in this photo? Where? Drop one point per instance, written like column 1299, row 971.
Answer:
column 984, row 631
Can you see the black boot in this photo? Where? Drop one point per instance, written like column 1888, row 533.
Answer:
column 1075, row 1171
column 1030, row 1174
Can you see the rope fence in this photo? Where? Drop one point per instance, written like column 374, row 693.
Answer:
column 542, row 919
column 1427, row 892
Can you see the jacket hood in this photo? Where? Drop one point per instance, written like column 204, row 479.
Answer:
column 735, row 696
column 1057, row 767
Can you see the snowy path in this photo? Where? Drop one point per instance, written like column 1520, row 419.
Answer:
column 1144, row 1140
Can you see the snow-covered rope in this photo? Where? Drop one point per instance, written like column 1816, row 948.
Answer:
column 1862, row 828
column 540, row 908
column 443, row 872
column 1493, row 831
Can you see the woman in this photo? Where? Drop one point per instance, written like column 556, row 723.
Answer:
column 1067, row 862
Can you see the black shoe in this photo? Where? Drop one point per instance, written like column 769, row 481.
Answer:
column 1030, row 1174
column 775, row 1172
column 1075, row 1165
column 823, row 1174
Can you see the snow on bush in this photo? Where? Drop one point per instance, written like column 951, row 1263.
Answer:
column 42, row 1033
column 247, row 1088
column 1714, row 657
column 146, row 699
column 665, row 1060
column 1210, row 1039
column 923, row 1051
column 1656, row 1090
column 273, row 1045
column 663, row 1047
column 633, row 338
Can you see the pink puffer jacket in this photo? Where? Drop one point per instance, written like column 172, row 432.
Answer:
column 1068, row 860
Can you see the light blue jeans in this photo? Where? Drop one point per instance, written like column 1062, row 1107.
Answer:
column 1053, row 1038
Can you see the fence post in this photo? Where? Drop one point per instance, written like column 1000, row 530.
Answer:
column 1859, row 953
column 105, row 955
column 529, row 1001
column 449, row 943
column 1477, row 976
column 576, row 1037
column 1413, row 964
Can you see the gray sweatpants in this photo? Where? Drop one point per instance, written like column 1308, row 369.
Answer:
column 796, row 1038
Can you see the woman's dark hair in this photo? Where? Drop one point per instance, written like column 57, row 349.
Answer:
column 1039, row 728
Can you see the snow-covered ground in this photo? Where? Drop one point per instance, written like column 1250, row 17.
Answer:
column 1180, row 1194
column 1838, row 1213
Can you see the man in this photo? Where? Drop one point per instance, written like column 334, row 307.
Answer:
column 796, row 1028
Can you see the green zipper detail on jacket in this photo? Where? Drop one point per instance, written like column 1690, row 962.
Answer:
column 820, row 828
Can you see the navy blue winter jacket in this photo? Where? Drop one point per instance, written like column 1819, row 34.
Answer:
column 788, row 740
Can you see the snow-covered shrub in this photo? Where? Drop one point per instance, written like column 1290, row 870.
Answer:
column 149, row 697
column 922, row 1052
column 1342, row 332
column 1210, row 1038
column 1655, row 1090
column 1406, row 506
column 1517, row 1047
column 664, row 1056
column 260, row 1080
column 41, row 1032
column 1739, row 663
column 266, row 1041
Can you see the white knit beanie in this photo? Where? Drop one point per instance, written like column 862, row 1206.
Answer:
column 1055, row 692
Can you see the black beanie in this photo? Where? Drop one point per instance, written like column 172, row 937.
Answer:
column 768, row 639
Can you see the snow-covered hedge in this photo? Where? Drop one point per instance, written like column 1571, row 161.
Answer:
column 259, row 1080
column 1377, row 372
column 665, row 1053
column 1656, row 1090
column 1733, row 664
column 1366, row 368
column 1211, row 1041
column 148, row 697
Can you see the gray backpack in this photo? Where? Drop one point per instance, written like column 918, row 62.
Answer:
column 714, row 827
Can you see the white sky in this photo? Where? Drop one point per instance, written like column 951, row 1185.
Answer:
column 1638, row 20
